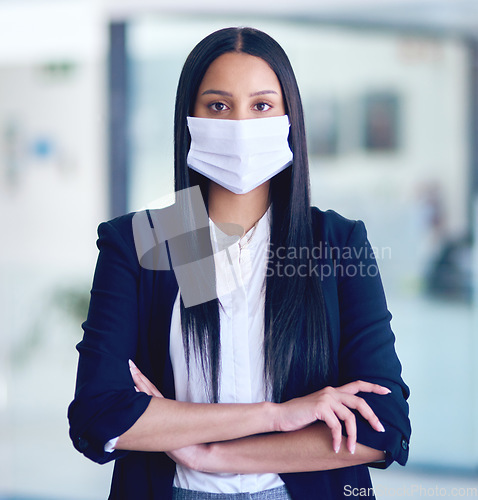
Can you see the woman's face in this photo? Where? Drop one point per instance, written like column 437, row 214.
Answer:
column 239, row 86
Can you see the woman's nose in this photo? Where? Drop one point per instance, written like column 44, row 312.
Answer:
column 240, row 113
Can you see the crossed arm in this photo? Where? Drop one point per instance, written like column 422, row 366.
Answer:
column 304, row 434
column 308, row 449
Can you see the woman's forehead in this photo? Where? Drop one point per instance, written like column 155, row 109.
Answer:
column 240, row 72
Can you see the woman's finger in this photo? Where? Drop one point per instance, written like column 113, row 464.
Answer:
column 150, row 387
column 142, row 383
column 362, row 386
column 335, row 427
column 359, row 404
column 344, row 414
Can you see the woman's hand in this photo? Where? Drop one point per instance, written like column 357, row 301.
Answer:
column 331, row 405
column 189, row 456
column 193, row 457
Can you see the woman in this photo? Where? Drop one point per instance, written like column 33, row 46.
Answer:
column 285, row 362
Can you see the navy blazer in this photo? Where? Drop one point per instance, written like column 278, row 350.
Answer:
column 129, row 317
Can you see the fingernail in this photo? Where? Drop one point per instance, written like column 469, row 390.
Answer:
column 336, row 449
column 136, row 389
column 132, row 366
column 352, row 449
column 388, row 391
column 381, row 428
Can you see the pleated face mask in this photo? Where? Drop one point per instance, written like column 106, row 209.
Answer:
column 239, row 154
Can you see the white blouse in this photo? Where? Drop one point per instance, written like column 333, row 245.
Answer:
column 240, row 281
column 240, row 274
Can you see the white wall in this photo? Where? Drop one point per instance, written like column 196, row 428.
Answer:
column 51, row 205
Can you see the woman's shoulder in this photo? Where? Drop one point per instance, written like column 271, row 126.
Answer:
column 118, row 232
column 121, row 223
column 333, row 227
column 139, row 237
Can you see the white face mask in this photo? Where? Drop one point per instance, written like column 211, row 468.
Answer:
column 239, row 154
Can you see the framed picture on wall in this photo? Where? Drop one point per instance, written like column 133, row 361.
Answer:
column 381, row 121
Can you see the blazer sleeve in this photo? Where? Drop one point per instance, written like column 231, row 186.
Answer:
column 105, row 403
column 367, row 351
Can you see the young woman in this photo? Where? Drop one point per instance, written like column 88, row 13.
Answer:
column 295, row 352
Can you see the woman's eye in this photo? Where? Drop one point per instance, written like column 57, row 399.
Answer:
column 218, row 106
column 262, row 106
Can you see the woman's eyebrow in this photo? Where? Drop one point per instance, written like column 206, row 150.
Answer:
column 219, row 92
column 262, row 92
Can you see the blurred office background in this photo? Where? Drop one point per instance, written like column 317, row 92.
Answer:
column 390, row 90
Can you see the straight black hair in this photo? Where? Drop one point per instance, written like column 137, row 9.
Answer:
column 297, row 346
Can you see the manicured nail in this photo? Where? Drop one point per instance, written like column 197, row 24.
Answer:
column 388, row 391
column 136, row 389
column 132, row 366
column 337, row 448
column 381, row 428
column 352, row 450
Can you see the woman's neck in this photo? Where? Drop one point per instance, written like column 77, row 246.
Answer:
column 245, row 210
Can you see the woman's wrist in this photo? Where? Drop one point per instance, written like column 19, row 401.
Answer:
column 271, row 413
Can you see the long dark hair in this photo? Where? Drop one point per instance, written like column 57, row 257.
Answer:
column 297, row 347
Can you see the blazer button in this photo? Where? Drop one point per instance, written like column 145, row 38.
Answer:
column 82, row 444
column 404, row 444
